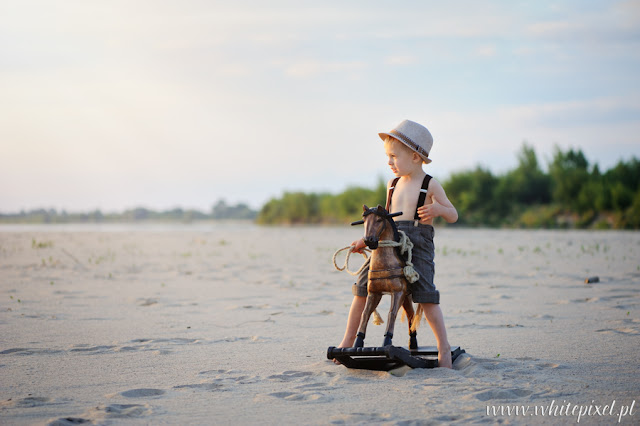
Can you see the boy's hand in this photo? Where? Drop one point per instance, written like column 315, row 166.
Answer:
column 440, row 205
column 358, row 245
column 430, row 211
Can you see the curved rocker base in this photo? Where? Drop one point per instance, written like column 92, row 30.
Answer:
column 389, row 357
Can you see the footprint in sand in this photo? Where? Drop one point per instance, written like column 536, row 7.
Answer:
column 28, row 402
column 502, row 296
column 586, row 300
column 202, row 386
column 142, row 393
column 312, row 389
column 542, row 317
column 92, row 349
column 122, row 411
column 628, row 331
column 67, row 421
column 447, row 419
column 162, row 346
column 220, row 380
column 147, row 302
column 294, row 396
column 288, row 376
column 506, row 394
column 549, row 365
column 314, row 386
column 30, row 351
column 231, row 377
column 627, row 326
column 363, row 418
column 102, row 412
column 209, row 372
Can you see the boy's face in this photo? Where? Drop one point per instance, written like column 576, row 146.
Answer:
column 401, row 159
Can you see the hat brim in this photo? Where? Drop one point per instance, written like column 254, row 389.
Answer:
column 383, row 136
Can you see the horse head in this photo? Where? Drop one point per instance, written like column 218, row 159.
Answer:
column 375, row 222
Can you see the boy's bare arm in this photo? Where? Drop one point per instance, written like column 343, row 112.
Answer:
column 440, row 205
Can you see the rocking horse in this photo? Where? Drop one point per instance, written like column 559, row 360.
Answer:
column 389, row 273
column 386, row 273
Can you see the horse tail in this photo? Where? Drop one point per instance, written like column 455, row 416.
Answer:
column 377, row 319
column 417, row 318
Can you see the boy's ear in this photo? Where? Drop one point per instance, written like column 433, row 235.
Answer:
column 416, row 157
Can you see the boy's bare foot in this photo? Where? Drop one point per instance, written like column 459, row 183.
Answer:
column 343, row 344
column 335, row 361
column 444, row 357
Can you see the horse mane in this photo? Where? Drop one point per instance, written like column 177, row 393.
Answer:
column 396, row 234
column 394, row 227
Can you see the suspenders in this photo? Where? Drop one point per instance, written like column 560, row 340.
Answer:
column 421, row 198
column 423, row 195
column 390, row 192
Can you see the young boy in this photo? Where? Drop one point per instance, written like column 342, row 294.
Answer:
column 407, row 147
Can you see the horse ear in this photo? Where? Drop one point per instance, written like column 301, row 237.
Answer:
column 364, row 208
column 380, row 208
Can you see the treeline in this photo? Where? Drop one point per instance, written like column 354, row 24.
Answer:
column 220, row 211
column 570, row 194
column 323, row 208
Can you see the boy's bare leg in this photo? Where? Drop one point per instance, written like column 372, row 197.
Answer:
column 355, row 313
column 434, row 316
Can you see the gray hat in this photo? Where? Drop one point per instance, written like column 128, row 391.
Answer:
column 413, row 135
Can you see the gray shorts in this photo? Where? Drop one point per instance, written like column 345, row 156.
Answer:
column 423, row 290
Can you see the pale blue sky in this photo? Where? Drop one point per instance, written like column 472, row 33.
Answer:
column 159, row 103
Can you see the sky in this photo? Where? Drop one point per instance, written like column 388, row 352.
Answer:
column 162, row 104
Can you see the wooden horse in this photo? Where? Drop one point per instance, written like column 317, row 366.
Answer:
column 386, row 274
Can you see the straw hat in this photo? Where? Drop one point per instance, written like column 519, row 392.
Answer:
column 413, row 135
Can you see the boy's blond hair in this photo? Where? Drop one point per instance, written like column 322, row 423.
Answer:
column 392, row 140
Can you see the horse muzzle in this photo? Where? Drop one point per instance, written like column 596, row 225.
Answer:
column 372, row 243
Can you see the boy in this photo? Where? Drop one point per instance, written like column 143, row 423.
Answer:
column 407, row 147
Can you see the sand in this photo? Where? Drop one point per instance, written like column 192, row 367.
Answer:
column 229, row 323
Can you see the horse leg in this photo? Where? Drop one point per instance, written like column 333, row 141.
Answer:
column 396, row 301
column 408, row 308
column 373, row 299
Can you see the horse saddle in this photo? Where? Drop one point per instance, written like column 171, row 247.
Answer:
column 385, row 274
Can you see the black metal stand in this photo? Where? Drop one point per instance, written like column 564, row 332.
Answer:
column 389, row 357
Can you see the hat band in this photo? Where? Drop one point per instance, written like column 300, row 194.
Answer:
column 409, row 142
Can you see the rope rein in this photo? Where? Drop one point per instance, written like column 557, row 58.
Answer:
column 405, row 245
column 346, row 260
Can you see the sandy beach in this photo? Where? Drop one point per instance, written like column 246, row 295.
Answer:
column 230, row 323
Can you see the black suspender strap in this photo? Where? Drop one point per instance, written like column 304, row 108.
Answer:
column 421, row 198
column 423, row 195
column 390, row 192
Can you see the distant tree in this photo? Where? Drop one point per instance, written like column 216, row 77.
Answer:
column 621, row 183
column 472, row 192
column 240, row 211
column 569, row 173
column 532, row 185
column 95, row 216
column 631, row 216
column 626, row 173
